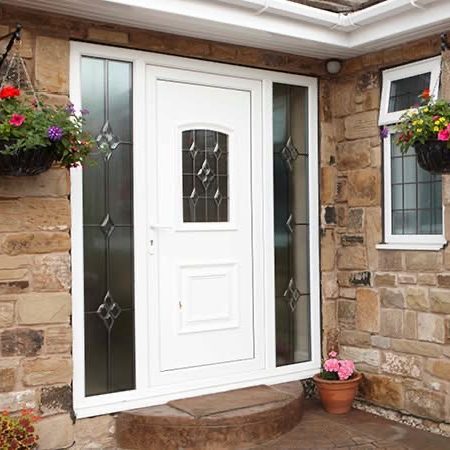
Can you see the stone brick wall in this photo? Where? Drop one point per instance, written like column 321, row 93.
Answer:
column 388, row 310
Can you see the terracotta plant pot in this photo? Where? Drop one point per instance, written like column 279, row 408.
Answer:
column 337, row 396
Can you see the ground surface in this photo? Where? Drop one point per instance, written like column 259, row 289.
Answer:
column 356, row 431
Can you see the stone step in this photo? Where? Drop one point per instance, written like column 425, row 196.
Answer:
column 240, row 418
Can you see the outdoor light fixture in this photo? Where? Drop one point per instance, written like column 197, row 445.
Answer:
column 334, row 66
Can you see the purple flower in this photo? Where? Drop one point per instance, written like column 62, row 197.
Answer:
column 384, row 132
column 70, row 108
column 55, row 133
column 84, row 111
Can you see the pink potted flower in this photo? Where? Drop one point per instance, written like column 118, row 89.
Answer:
column 337, row 384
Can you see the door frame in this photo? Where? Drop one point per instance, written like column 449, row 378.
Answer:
column 145, row 394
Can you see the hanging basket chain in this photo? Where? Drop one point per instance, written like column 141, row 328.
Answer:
column 15, row 36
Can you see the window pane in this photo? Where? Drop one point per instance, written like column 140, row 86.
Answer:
column 205, row 176
column 108, row 228
column 291, row 222
column 405, row 92
column 415, row 195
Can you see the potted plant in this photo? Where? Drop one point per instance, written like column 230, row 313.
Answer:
column 18, row 432
column 34, row 135
column 337, row 384
column 427, row 129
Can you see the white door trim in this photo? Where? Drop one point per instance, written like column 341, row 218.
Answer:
column 145, row 394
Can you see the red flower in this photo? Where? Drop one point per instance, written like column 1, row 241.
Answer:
column 9, row 92
column 425, row 95
column 17, row 120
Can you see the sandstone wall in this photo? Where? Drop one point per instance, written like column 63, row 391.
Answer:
column 388, row 310
column 35, row 273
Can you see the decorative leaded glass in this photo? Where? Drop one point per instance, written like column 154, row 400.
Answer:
column 291, row 223
column 205, row 176
column 416, row 195
column 108, row 228
column 405, row 92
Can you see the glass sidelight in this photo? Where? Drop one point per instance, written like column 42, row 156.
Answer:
column 108, row 228
column 291, row 224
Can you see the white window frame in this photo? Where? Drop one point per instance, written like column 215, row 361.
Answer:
column 146, row 393
column 389, row 120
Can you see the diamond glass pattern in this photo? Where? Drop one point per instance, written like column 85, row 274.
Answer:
column 289, row 223
column 107, row 141
column 109, row 311
column 289, row 153
column 205, row 176
column 292, row 294
column 107, row 226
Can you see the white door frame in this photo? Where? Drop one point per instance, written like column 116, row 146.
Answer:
column 145, row 393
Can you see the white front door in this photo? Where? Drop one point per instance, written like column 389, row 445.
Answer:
column 202, row 222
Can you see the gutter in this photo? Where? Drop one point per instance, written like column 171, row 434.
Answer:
column 345, row 22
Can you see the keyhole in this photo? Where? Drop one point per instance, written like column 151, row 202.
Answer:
column 180, row 305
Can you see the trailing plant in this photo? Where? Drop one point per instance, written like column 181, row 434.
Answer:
column 430, row 120
column 335, row 369
column 18, row 432
column 27, row 123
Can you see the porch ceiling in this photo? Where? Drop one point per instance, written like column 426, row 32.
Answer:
column 339, row 5
column 283, row 25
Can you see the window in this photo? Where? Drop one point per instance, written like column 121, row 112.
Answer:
column 412, row 197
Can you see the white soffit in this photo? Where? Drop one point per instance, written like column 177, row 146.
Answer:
column 271, row 24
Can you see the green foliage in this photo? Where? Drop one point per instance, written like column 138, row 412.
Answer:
column 37, row 118
column 329, row 375
column 427, row 122
column 18, row 432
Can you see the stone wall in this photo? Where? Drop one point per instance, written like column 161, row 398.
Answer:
column 35, row 278
column 388, row 310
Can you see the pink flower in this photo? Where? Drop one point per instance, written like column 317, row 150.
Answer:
column 17, row 120
column 346, row 369
column 444, row 135
column 332, row 354
column 331, row 365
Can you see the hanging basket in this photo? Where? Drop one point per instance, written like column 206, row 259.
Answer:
column 433, row 156
column 25, row 162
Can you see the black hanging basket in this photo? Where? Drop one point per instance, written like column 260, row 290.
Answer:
column 25, row 162
column 433, row 156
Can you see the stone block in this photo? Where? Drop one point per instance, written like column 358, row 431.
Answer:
column 7, row 377
column 382, row 390
column 443, row 281
column 440, row 300
column 417, row 299
column 392, row 298
column 330, row 288
column 427, row 279
column 40, row 308
column 367, row 310
column 21, row 342
column 404, row 365
column 364, row 187
column 55, row 432
column 13, row 401
column 425, row 404
column 380, row 341
column 109, row 36
column 355, row 338
column 28, row 243
column 95, row 432
column 367, row 356
column 352, row 239
column 346, row 311
column 430, row 327
column 406, row 278
column 416, row 347
column 34, row 214
column 347, row 293
column 350, row 258
column 390, row 260
column 362, row 125
column 353, row 155
column 372, row 228
column 327, row 250
column 439, row 368
column 56, row 399
column 52, row 64
column 51, row 273
column 423, row 261
column 355, row 219
column 328, row 185
column 58, row 339
column 6, row 314
column 410, row 325
column 385, row 279
column 53, row 183
column 44, row 371
column 391, row 323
